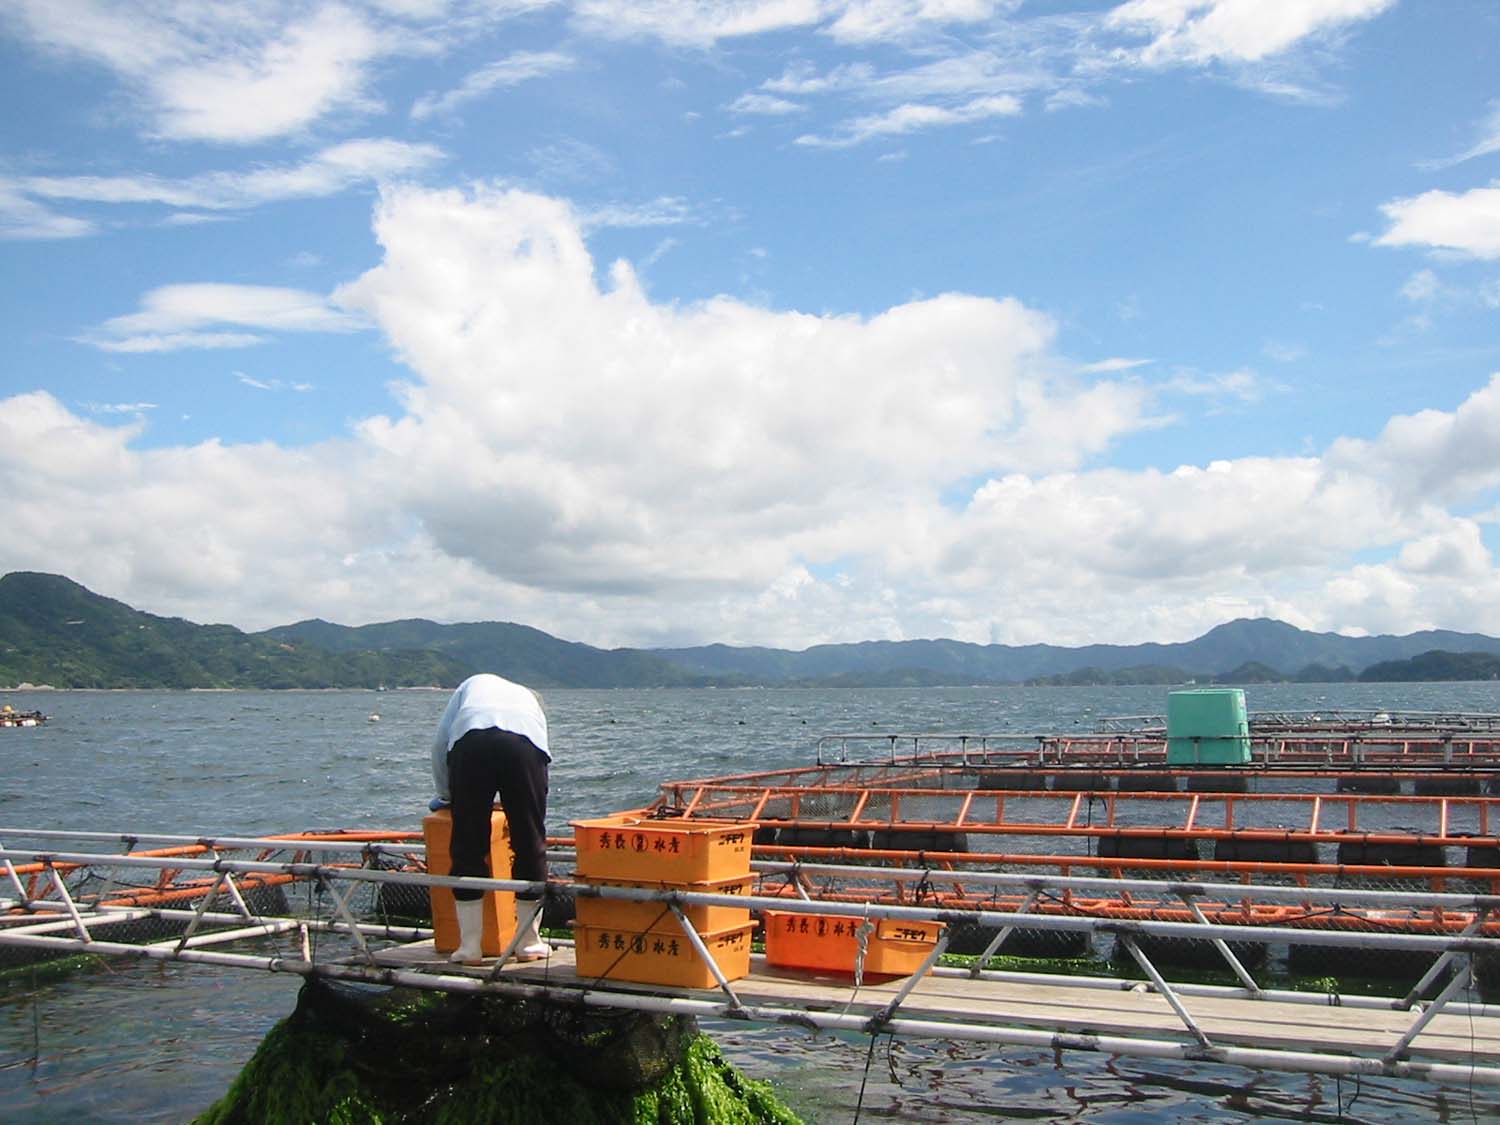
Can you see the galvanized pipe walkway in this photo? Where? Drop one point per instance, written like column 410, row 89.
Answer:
column 1446, row 1039
column 1068, row 1013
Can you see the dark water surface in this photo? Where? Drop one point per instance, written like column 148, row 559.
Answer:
column 159, row 1043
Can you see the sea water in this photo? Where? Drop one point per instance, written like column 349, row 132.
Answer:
column 134, row 1042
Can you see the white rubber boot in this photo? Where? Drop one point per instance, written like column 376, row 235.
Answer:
column 470, row 949
column 529, row 943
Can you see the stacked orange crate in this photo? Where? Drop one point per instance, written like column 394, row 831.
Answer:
column 643, row 942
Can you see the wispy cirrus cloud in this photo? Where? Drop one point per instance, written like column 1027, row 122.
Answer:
column 802, row 79
column 117, row 408
column 665, row 211
column 160, row 342
column 1421, row 287
column 911, row 118
column 29, row 205
column 765, row 105
column 271, row 384
column 1243, row 385
column 571, row 160
column 703, row 23
column 523, row 66
column 1112, row 365
column 1062, row 60
column 24, row 217
column 1283, row 351
column 213, row 316
column 694, row 23
column 1487, row 144
column 873, row 21
column 963, row 74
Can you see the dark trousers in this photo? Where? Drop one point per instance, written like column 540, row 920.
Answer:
column 484, row 764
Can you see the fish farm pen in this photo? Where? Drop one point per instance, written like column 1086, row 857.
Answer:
column 1183, row 888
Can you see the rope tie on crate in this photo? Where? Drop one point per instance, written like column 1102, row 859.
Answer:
column 794, row 877
column 877, row 1023
column 862, row 945
column 924, row 884
column 602, row 978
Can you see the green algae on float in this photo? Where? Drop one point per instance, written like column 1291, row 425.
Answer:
column 351, row 1054
column 28, row 975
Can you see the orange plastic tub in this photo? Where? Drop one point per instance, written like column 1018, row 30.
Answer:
column 831, row 943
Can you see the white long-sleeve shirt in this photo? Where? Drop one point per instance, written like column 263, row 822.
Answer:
column 481, row 702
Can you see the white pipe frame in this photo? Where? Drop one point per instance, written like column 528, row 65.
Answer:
column 1261, row 1058
column 188, row 947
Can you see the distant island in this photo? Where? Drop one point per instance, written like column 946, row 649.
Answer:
column 1429, row 667
column 56, row 633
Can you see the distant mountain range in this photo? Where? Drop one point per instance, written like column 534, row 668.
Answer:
column 55, row 632
column 1245, row 650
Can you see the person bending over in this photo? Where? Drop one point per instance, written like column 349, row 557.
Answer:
column 492, row 741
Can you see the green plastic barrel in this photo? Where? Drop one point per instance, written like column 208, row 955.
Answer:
column 1207, row 727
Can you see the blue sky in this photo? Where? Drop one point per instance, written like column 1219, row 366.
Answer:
column 766, row 323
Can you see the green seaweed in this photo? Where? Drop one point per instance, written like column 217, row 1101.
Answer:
column 397, row 1057
column 1005, row 962
column 47, row 971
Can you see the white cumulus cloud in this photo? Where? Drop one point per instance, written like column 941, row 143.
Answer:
column 231, row 73
column 1202, row 31
column 1433, row 455
column 1466, row 222
column 570, row 453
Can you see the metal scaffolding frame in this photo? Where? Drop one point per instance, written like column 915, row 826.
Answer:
column 60, row 922
column 1282, row 741
column 1032, row 812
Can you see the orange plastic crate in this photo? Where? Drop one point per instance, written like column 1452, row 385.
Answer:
column 830, row 942
column 605, row 953
column 677, row 850
column 620, row 914
column 499, row 906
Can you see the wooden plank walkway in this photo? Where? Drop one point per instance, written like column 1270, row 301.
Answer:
column 1052, row 1007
